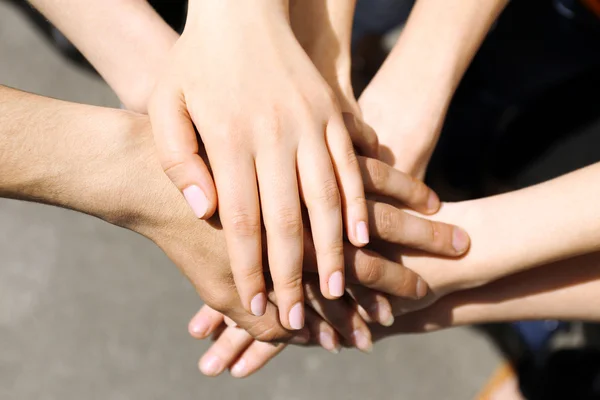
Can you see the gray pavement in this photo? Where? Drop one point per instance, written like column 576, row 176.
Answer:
column 89, row 311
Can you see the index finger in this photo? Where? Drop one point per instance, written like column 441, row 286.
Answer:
column 381, row 179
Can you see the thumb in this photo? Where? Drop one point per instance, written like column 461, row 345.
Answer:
column 177, row 146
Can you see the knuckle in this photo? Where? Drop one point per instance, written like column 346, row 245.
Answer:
column 405, row 284
column 420, row 192
column 329, row 195
column 387, row 221
column 334, row 249
column 370, row 270
column 220, row 301
column 266, row 334
column 244, row 224
column 351, row 158
column 377, row 172
column 270, row 122
column 288, row 222
column 251, row 275
column 172, row 166
column 290, row 283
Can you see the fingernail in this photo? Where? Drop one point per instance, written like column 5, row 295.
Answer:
column 460, row 240
column 303, row 337
column 297, row 316
column 199, row 327
column 336, row 284
column 422, row 288
column 197, row 200
column 362, row 232
column 239, row 368
column 384, row 314
column 258, row 304
column 433, row 204
column 326, row 340
column 362, row 341
column 211, row 366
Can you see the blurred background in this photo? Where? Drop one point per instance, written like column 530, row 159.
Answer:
column 89, row 311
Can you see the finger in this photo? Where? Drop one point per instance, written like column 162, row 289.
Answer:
column 322, row 332
column 372, row 305
column 362, row 135
column 345, row 320
column 240, row 215
column 382, row 179
column 280, row 201
column 268, row 328
column 205, row 322
column 348, row 175
column 396, row 226
column 320, row 193
column 255, row 357
column 372, row 270
column 224, row 351
column 177, row 147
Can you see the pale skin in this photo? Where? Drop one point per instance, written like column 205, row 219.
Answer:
column 53, row 151
column 289, row 156
column 496, row 266
column 120, row 47
column 276, row 140
column 526, row 261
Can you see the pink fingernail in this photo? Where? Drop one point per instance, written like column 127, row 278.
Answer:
column 422, row 288
column 197, row 200
column 433, row 204
column 198, row 327
column 302, row 337
column 362, row 232
column 460, row 240
column 239, row 368
column 326, row 340
column 211, row 366
column 362, row 341
column 336, row 284
column 258, row 305
column 297, row 316
column 383, row 313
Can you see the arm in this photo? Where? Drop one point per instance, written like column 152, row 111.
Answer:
column 406, row 102
column 112, row 172
column 513, row 232
column 324, row 30
column 125, row 40
column 566, row 290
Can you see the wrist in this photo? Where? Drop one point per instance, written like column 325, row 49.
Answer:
column 216, row 13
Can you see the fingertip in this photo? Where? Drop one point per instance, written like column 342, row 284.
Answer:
column 197, row 200
column 362, row 233
column 433, row 203
column 258, row 305
column 296, row 316
column 336, row 285
column 210, row 365
column 460, row 240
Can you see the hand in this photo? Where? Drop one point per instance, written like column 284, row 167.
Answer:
column 235, row 349
column 274, row 134
column 199, row 249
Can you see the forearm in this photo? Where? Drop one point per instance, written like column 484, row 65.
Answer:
column 519, row 230
column 80, row 157
column 324, row 29
column 566, row 290
column 125, row 40
column 422, row 72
